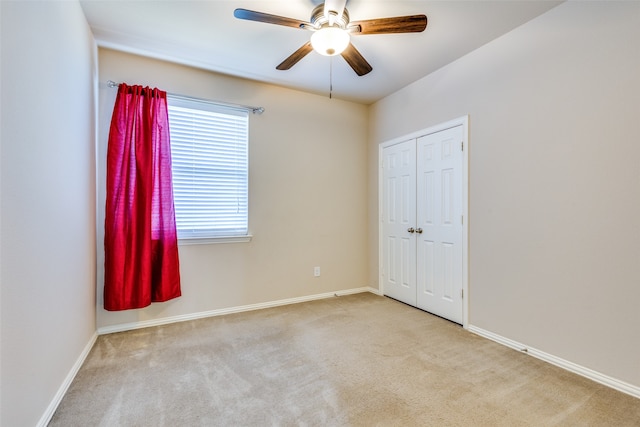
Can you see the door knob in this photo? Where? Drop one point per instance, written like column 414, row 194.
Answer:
column 411, row 230
column 419, row 230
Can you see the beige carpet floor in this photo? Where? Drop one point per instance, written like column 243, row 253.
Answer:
column 358, row 360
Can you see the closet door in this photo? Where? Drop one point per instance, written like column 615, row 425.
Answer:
column 439, row 223
column 398, row 219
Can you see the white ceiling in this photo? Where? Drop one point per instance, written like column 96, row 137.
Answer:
column 205, row 34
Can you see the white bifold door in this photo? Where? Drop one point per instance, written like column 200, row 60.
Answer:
column 422, row 222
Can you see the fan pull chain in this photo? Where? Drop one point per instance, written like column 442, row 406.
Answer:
column 330, row 76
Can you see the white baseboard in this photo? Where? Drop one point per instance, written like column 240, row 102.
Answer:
column 375, row 291
column 51, row 409
column 231, row 310
column 562, row 363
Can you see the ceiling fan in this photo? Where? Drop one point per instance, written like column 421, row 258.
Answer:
column 332, row 30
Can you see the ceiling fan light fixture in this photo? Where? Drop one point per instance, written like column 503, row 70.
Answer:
column 330, row 41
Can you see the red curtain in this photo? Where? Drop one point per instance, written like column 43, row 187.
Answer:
column 140, row 239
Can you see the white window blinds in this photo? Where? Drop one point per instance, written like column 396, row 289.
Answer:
column 209, row 154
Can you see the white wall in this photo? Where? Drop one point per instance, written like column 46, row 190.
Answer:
column 554, row 180
column 307, row 201
column 48, row 202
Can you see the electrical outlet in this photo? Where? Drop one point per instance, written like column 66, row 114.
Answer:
column 316, row 271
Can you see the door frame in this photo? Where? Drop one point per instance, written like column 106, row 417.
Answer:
column 460, row 121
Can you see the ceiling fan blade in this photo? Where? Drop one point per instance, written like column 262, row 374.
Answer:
column 295, row 57
column 398, row 24
column 356, row 60
column 251, row 15
column 336, row 6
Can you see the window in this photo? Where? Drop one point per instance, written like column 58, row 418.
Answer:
column 209, row 153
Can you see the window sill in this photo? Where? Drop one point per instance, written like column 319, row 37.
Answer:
column 214, row 240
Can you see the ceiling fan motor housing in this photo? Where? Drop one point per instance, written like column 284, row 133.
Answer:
column 320, row 20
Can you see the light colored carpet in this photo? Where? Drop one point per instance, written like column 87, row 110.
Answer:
column 358, row 360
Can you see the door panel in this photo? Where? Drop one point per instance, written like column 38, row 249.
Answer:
column 427, row 260
column 399, row 214
column 439, row 215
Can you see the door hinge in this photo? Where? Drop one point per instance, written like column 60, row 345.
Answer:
column 462, row 219
column 462, row 293
column 461, row 145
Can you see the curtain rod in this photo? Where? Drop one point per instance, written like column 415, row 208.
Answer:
column 254, row 110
